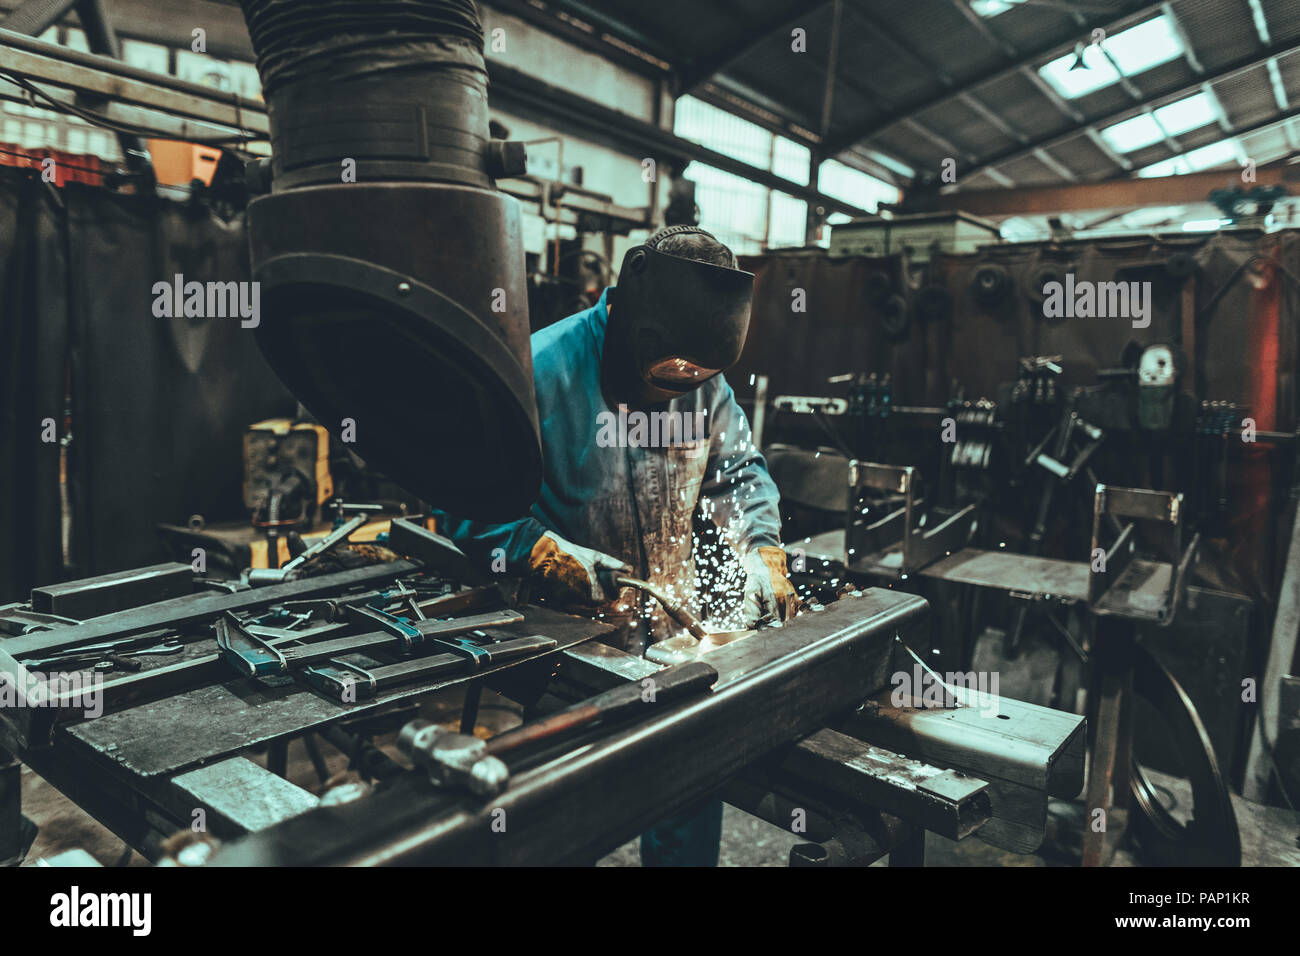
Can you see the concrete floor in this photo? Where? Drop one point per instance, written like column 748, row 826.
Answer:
column 1270, row 836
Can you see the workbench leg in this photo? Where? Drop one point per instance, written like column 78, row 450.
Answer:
column 911, row 852
column 1111, row 745
column 1124, row 742
column 469, row 712
column 16, row 832
column 277, row 757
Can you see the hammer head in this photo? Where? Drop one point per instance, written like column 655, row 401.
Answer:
column 453, row 759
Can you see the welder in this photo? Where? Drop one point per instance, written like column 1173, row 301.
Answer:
column 649, row 356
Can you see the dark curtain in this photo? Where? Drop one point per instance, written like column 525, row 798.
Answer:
column 159, row 405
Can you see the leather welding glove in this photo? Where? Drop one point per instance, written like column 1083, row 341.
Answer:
column 767, row 588
column 569, row 572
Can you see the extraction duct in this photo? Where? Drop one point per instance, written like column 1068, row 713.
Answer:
column 392, row 272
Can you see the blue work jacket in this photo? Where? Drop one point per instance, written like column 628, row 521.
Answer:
column 629, row 486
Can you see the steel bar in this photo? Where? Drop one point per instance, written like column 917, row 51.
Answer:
column 191, row 609
column 860, row 775
column 39, row 61
column 94, row 597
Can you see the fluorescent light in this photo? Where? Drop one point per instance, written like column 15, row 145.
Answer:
column 1133, row 134
column 1187, row 114
column 990, row 8
column 1203, row 225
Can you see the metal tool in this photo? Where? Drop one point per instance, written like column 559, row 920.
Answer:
column 119, row 652
column 260, row 577
column 611, row 581
column 255, row 656
column 460, row 760
column 348, row 682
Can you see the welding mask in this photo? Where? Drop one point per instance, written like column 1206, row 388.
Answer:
column 1157, row 386
column 675, row 324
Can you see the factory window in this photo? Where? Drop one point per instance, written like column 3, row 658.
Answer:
column 1131, row 134
column 790, row 160
column 743, row 214
column 730, row 135
column 1089, row 68
column 1176, row 118
column 147, row 56
column 854, row 186
column 1189, row 113
column 787, row 222
column 732, row 208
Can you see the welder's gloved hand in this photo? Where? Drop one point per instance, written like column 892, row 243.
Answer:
column 768, row 590
column 569, row 572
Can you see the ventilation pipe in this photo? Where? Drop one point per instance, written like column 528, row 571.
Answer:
column 393, row 296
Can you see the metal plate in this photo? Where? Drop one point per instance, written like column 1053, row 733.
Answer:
column 219, row 720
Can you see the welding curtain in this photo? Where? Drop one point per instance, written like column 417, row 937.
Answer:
column 158, row 406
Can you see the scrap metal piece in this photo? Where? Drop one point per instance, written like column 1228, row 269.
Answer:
column 241, row 797
column 1034, row 753
column 436, row 553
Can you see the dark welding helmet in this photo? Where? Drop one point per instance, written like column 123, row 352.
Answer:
column 677, row 322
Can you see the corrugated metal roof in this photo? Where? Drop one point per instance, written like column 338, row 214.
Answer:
column 917, row 80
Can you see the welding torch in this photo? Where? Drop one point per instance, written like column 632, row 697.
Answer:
column 611, row 581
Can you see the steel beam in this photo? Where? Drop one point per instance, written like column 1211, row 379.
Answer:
column 59, row 66
column 1112, row 194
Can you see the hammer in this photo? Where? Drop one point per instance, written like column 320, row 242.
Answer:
column 455, row 759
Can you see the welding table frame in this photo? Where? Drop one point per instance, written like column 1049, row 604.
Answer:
column 761, row 731
column 1151, row 592
column 145, row 792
